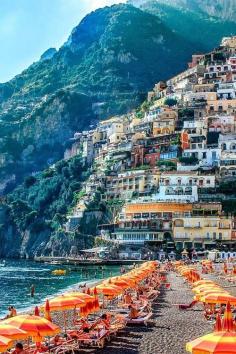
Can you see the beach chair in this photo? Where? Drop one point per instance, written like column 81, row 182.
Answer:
column 95, row 339
column 142, row 320
column 118, row 323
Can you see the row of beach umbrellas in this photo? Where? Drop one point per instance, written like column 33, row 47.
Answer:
column 23, row 327
column 223, row 339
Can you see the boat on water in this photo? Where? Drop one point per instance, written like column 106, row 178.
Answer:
column 59, row 272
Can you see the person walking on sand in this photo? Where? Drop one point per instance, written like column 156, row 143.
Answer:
column 32, row 290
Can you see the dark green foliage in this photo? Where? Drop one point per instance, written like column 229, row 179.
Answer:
column 188, row 160
column 229, row 206
column 42, row 203
column 170, row 102
column 227, row 187
column 29, row 181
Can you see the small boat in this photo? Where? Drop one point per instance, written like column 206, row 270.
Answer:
column 59, row 272
column 3, row 264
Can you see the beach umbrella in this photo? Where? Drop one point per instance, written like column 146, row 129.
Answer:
column 47, row 314
column 218, row 324
column 109, row 290
column 82, row 296
column 202, row 282
column 36, row 311
column 5, row 343
column 89, row 300
column 12, row 332
column 118, row 282
column 64, row 302
column 219, row 299
column 213, row 343
column 227, row 322
column 35, row 326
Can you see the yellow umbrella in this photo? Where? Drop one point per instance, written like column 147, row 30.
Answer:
column 219, row 299
column 217, row 343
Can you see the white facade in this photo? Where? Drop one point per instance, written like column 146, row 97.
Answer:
column 183, row 186
column 207, row 157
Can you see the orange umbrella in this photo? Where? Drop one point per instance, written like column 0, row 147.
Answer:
column 82, row 296
column 118, row 282
column 227, row 323
column 12, row 332
column 64, row 302
column 216, row 342
column 47, row 311
column 218, row 324
column 109, row 290
column 35, row 326
column 219, row 299
column 5, row 343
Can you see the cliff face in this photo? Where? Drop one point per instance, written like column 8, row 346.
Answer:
column 33, row 216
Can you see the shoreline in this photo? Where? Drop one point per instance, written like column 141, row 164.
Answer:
column 26, row 304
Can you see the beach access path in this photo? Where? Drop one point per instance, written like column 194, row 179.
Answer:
column 170, row 329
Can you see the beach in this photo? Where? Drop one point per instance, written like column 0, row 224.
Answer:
column 169, row 330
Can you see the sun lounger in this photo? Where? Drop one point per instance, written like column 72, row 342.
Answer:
column 93, row 338
column 186, row 306
column 140, row 320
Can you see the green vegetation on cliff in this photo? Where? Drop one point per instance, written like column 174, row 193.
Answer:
column 110, row 61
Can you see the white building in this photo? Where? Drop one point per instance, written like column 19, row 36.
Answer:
column 183, row 186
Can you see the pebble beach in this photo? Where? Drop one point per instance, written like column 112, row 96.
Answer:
column 169, row 330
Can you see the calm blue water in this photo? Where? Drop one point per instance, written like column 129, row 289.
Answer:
column 17, row 277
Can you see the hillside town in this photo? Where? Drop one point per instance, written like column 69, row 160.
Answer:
column 168, row 169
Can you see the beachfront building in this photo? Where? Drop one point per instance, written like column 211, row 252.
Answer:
column 202, row 232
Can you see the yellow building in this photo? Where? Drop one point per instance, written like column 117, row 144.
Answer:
column 165, row 122
column 201, row 232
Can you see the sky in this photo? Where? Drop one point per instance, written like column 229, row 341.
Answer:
column 29, row 27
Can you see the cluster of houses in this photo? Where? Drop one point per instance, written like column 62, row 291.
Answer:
column 165, row 163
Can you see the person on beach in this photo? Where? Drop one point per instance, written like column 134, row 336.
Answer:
column 127, row 299
column 19, row 349
column 13, row 311
column 32, row 290
column 133, row 312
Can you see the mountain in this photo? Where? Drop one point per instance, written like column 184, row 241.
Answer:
column 223, row 9
column 106, row 67
column 111, row 59
column 191, row 21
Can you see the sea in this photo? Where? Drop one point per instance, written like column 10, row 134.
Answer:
column 17, row 277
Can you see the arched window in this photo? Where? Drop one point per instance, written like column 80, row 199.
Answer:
column 223, row 146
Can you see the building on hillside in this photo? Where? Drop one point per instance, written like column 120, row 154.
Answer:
column 129, row 184
column 197, row 232
column 224, row 124
column 183, row 185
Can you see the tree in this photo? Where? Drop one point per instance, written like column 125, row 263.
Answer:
column 29, row 181
column 170, row 102
column 114, row 207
